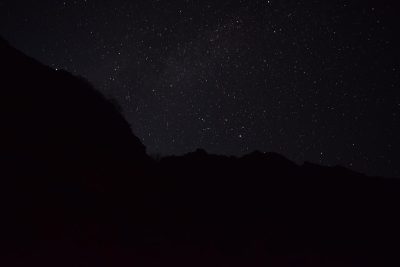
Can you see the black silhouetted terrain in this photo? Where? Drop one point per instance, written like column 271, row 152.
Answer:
column 77, row 189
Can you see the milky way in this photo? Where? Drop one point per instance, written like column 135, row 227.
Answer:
column 313, row 80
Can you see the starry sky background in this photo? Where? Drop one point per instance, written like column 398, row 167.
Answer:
column 313, row 80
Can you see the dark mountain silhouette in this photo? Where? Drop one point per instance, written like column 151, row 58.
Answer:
column 56, row 119
column 77, row 189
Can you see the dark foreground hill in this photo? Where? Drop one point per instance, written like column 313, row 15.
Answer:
column 77, row 189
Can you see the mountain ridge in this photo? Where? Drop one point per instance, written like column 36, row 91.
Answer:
column 77, row 188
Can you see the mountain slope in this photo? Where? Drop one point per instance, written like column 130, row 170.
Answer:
column 57, row 119
column 77, row 189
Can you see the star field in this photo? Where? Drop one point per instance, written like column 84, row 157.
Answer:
column 313, row 80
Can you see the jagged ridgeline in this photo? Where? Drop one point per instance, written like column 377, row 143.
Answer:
column 78, row 189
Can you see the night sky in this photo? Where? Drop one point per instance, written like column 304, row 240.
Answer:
column 312, row 80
